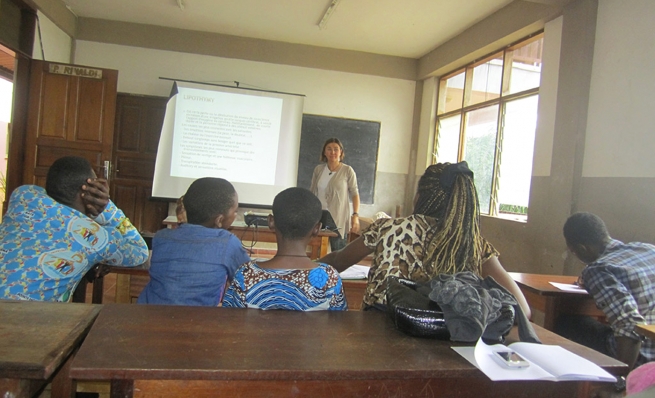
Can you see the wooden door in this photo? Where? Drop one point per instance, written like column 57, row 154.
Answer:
column 70, row 112
column 136, row 138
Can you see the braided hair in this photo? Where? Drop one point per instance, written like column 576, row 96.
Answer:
column 447, row 193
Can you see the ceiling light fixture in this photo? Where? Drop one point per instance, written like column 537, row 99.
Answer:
column 328, row 12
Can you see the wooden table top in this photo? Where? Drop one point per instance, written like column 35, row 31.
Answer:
column 142, row 342
column 37, row 337
column 539, row 283
column 646, row 330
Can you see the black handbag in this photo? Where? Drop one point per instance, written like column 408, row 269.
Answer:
column 413, row 312
column 460, row 307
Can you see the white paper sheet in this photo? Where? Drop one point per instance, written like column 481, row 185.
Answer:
column 355, row 272
column 569, row 287
column 480, row 357
column 561, row 363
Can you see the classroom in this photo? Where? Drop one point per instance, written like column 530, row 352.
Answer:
column 592, row 151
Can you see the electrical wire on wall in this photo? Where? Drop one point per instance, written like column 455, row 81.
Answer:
column 253, row 242
column 38, row 27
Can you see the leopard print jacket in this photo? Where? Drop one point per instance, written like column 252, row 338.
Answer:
column 398, row 250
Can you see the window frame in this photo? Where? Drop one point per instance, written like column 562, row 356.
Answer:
column 503, row 98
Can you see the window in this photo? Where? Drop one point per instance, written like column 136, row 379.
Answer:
column 487, row 115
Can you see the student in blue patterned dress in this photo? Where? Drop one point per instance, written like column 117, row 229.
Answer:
column 290, row 280
column 621, row 279
column 51, row 237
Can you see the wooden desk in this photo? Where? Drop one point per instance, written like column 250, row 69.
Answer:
column 646, row 330
column 543, row 296
column 37, row 343
column 354, row 290
column 319, row 244
column 168, row 351
column 127, row 290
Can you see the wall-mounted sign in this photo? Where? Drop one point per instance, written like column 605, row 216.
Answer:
column 76, row 71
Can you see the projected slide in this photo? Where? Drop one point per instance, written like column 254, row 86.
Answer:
column 248, row 137
column 232, row 136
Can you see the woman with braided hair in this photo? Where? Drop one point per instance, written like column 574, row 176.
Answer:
column 441, row 236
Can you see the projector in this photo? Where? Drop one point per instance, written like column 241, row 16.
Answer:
column 256, row 219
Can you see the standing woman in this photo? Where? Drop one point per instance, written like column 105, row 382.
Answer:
column 335, row 184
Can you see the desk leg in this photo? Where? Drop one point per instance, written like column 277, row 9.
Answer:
column 122, row 388
column 550, row 313
column 315, row 250
column 123, row 288
column 98, row 289
column 79, row 294
column 62, row 384
column 325, row 241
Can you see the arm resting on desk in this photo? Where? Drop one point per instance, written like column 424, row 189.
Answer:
column 493, row 268
column 349, row 255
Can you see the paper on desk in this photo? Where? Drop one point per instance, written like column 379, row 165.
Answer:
column 480, row 357
column 547, row 362
column 355, row 272
column 568, row 287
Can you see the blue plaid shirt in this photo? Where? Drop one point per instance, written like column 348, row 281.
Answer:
column 622, row 282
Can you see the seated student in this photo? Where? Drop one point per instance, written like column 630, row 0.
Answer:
column 192, row 263
column 290, row 280
column 442, row 236
column 180, row 212
column 621, row 279
column 51, row 237
column 641, row 381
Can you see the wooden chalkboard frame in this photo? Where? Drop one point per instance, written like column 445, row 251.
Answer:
column 360, row 140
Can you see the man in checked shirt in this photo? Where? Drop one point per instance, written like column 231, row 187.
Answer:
column 621, row 279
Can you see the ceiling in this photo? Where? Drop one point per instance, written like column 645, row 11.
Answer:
column 407, row 28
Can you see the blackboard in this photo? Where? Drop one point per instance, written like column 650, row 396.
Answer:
column 360, row 139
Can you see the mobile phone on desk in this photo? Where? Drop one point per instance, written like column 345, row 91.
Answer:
column 510, row 359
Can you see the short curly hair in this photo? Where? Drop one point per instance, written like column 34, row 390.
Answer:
column 296, row 211
column 66, row 177
column 208, row 198
column 585, row 229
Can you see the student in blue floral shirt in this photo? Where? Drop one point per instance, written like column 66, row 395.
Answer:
column 51, row 237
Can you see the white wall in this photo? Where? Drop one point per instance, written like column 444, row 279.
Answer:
column 619, row 140
column 543, row 144
column 56, row 43
column 427, row 127
column 328, row 93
